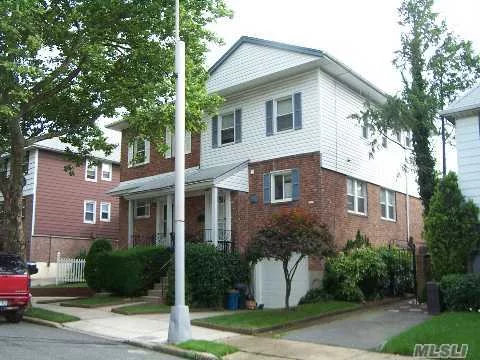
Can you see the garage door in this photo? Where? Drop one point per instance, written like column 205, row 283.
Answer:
column 270, row 283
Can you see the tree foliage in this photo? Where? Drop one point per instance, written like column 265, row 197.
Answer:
column 451, row 228
column 290, row 232
column 435, row 66
column 64, row 64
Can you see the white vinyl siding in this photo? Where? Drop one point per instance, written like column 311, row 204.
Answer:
column 105, row 211
column 107, row 171
column 89, row 211
column 387, row 205
column 356, row 196
column 90, row 172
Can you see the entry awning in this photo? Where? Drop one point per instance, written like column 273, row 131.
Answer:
column 230, row 177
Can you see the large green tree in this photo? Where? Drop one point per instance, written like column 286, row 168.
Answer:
column 65, row 63
column 435, row 66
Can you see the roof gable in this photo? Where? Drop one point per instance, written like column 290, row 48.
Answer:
column 468, row 102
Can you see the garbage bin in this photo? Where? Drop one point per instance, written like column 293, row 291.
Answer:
column 232, row 300
column 242, row 297
column 433, row 298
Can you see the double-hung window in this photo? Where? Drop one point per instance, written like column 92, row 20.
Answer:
column 107, row 171
column 281, row 186
column 227, row 128
column 170, row 141
column 139, row 151
column 105, row 211
column 387, row 204
column 142, row 209
column 356, row 196
column 284, row 114
column 90, row 171
column 89, row 211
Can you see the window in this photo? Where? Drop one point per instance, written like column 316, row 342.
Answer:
column 408, row 139
column 170, row 141
column 89, row 208
column 384, row 141
column 365, row 131
column 139, row 152
column 281, row 186
column 356, row 196
column 90, row 172
column 387, row 204
column 284, row 114
column 227, row 128
column 105, row 210
column 142, row 209
column 107, row 171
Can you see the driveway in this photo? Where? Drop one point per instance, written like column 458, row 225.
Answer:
column 367, row 330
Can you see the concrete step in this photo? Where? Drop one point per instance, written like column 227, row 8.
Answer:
column 155, row 292
column 163, row 284
column 153, row 299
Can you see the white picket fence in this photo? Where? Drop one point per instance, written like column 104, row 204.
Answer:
column 70, row 270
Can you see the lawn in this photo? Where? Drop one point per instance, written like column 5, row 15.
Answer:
column 215, row 348
column 50, row 315
column 97, row 301
column 448, row 328
column 142, row 309
column 264, row 319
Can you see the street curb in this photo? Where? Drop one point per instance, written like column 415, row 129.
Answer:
column 171, row 350
column 295, row 323
column 42, row 322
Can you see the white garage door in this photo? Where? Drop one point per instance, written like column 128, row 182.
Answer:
column 270, row 283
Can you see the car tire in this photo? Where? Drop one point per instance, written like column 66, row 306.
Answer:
column 14, row 316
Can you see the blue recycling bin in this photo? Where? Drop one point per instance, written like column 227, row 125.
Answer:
column 232, row 300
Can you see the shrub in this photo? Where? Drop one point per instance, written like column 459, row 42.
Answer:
column 209, row 274
column 399, row 279
column 450, row 228
column 314, row 296
column 461, row 292
column 94, row 277
column 133, row 271
column 359, row 241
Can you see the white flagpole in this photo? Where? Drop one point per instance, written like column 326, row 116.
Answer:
column 179, row 328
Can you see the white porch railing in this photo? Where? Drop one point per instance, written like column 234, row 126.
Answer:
column 70, row 270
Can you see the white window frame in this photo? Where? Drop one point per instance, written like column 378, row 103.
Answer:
column 85, row 202
column 219, row 130
column 356, row 196
column 132, row 153
column 170, row 142
column 88, row 167
column 275, row 113
column 272, row 186
column 147, row 209
column 109, row 211
column 389, row 195
column 110, row 170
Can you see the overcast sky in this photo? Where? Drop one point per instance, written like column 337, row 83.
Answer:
column 362, row 34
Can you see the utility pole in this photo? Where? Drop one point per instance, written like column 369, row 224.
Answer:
column 179, row 328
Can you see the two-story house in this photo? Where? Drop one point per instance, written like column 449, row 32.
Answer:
column 64, row 213
column 282, row 138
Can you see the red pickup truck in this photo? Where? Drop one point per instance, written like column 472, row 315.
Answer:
column 14, row 286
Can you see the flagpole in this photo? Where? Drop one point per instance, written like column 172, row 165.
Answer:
column 179, row 328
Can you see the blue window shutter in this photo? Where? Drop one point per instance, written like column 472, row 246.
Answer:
column 215, row 131
column 295, row 184
column 238, row 125
column 297, row 105
column 266, row 188
column 269, row 117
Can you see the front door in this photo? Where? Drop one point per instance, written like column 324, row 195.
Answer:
column 222, row 217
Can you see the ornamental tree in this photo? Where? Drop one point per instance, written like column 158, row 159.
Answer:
column 451, row 228
column 435, row 65
column 64, row 64
column 290, row 233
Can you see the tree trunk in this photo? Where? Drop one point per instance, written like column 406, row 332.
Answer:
column 288, row 285
column 14, row 195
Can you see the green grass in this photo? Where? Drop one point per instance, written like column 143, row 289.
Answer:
column 97, row 301
column 142, row 309
column 50, row 315
column 258, row 319
column 69, row 285
column 215, row 348
column 447, row 328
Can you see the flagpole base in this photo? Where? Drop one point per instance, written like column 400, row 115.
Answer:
column 179, row 329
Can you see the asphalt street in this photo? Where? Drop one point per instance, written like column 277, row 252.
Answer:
column 26, row 341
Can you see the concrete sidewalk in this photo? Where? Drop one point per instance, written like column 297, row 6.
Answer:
column 151, row 330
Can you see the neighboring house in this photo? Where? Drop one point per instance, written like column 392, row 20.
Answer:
column 64, row 213
column 464, row 113
column 283, row 138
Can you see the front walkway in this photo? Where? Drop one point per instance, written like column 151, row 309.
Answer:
column 366, row 330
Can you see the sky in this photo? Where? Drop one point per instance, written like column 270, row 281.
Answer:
column 362, row 34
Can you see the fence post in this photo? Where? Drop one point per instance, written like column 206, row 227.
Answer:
column 58, row 268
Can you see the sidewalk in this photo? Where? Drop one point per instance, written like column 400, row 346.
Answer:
column 151, row 330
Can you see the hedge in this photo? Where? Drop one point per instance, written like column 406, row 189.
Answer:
column 134, row 271
column 461, row 292
column 94, row 277
column 209, row 274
